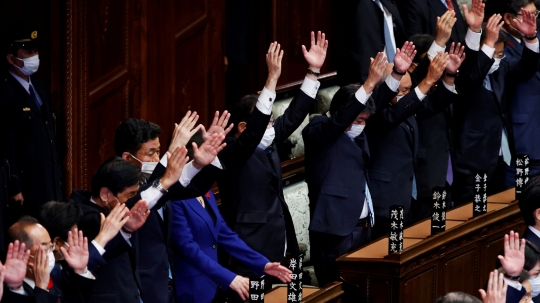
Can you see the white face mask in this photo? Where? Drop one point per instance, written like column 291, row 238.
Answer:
column 267, row 139
column 535, row 284
column 51, row 261
column 355, row 131
column 495, row 66
column 31, row 65
column 147, row 168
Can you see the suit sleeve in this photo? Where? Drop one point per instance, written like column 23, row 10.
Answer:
column 474, row 70
column 293, row 116
column 95, row 259
column 239, row 250
column 323, row 135
column 396, row 113
column 75, row 288
column 43, row 296
column 525, row 68
column 513, row 295
column 437, row 100
column 190, row 250
column 412, row 14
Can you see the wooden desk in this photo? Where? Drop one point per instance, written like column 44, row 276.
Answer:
column 458, row 259
column 331, row 293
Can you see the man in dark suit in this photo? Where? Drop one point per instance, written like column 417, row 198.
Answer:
column 366, row 27
column 482, row 121
column 524, row 104
column 47, row 281
column 252, row 194
column 529, row 204
column 337, row 155
column 35, row 171
column 420, row 17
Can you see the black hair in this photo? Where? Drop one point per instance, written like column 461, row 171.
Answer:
column 501, row 38
column 530, row 200
column 344, row 94
column 506, row 6
column 132, row 133
column 532, row 255
column 457, row 297
column 241, row 110
column 59, row 217
column 116, row 174
column 17, row 231
column 422, row 43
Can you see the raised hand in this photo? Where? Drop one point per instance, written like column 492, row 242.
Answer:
column 111, row 225
column 1, row 280
column 493, row 28
column 241, row 286
column 527, row 24
column 496, row 289
column 457, row 56
column 273, row 61
column 208, row 151
column 375, row 73
column 77, row 255
column 175, row 164
column 475, row 16
column 41, row 269
column 184, row 130
column 15, row 267
column 278, row 271
column 404, row 57
column 437, row 67
column 219, row 126
column 317, row 51
column 137, row 216
column 445, row 23
column 514, row 254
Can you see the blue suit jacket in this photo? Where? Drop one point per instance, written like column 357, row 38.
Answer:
column 525, row 107
column 195, row 242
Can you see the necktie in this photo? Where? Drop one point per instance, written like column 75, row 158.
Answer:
column 388, row 38
column 34, row 97
column 414, row 191
column 370, row 206
column 505, row 147
column 449, row 5
column 449, row 172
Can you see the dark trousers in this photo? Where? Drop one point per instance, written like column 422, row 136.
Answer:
column 326, row 248
column 463, row 187
column 423, row 207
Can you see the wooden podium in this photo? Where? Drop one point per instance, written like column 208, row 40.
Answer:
column 330, row 294
column 458, row 259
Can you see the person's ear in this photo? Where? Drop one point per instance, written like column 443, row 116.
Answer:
column 126, row 156
column 241, row 127
column 537, row 215
column 507, row 18
column 58, row 242
column 103, row 194
column 9, row 58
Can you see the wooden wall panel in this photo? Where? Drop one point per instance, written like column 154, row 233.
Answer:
column 462, row 265
column 424, row 281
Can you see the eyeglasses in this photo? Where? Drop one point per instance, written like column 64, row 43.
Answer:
column 535, row 14
column 499, row 56
column 48, row 247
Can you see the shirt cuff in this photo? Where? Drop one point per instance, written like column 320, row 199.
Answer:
column 87, row 274
column 126, row 237
column 451, row 88
column 217, row 163
column 419, row 94
column 434, row 49
column 265, row 102
column 361, row 95
column 98, row 247
column 163, row 160
column 190, row 171
column 151, row 195
column 489, row 51
column 472, row 39
column 532, row 46
column 392, row 83
column 310, row 87
column 514, row 284
column 20, row 291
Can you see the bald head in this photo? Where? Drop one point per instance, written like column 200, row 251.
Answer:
column 28, row 231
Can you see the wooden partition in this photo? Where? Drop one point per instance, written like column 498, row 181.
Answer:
column 458, row 259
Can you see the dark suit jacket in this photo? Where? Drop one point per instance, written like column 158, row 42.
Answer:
column 524, row 107
column 361, row 33
column 196, row 239
column 480, row 117
column 393, row 139
column 252, row 196
column 118, row 280
column 34, row 166
column 68, row 287
column 336, row 167
column 420, row 17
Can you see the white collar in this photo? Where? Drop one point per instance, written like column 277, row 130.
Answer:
column 23, row 82
column 31, row 283
column 515, row 38
column 535, row 231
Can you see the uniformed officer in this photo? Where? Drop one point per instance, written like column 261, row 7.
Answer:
column 34, row 169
